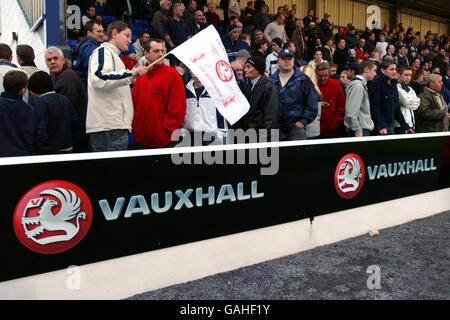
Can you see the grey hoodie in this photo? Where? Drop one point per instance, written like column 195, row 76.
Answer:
column 357, row 106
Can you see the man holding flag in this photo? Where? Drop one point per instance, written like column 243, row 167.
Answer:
column 159, row 97
column 159, row 101
column 205, row 55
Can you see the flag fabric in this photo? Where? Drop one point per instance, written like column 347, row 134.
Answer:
column 205, row 55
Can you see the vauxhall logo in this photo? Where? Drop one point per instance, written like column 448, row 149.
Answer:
column 351, row 173
column 52, row 217
column 390, row 170
column 190, row 198
column 55, row 216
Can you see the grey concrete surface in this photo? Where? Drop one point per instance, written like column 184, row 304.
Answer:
column 413, row 260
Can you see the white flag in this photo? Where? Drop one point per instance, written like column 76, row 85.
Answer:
column 207, row 58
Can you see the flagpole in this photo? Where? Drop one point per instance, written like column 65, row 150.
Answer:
column 163, row 57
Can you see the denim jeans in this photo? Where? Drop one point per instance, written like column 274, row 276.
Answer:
column 114, row 140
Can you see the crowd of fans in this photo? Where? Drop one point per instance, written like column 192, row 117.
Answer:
column 306, row 77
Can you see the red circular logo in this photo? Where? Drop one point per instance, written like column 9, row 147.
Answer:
column 224, row 71
column 53, row 217
column 349, row 176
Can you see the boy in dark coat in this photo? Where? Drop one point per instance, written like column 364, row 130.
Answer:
column 56, row 116
column 17, row 119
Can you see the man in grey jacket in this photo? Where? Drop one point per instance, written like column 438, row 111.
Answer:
column 358, row 120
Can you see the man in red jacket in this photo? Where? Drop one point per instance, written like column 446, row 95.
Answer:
column 333, row 103
column 159, row 101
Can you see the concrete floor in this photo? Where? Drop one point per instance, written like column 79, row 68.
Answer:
column 413, row 261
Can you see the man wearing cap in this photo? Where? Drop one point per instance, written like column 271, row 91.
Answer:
column 233, row 44
column 263, row 97
column 298, row 98
column 272, row 59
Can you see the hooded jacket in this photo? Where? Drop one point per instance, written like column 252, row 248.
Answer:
column 357, row 106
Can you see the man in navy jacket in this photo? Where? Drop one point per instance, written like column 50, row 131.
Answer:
column 298, row 98
column 82, row 53
column 384, row 101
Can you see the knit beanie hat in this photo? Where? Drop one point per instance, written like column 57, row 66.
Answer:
column 259, row 63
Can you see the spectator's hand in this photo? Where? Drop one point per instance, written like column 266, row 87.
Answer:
column 300, row 125
column 410, row 131
column 140, row 71
column 359, row 134
column 448, row 114
column 383, row 131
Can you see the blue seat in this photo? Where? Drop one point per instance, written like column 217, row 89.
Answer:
column 141, row 23
column 108, row 19
column 72, row 44
column 138, row 31
column 99, row 10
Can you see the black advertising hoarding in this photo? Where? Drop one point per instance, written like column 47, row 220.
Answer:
column 58, row 214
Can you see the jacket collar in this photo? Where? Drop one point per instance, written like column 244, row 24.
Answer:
column 28, row 64
column 431, row 91
column 55, row 76
column 190, row 87
column 88, row 40
column 385, row 80
column 112, row 47
column 363, row 80
column 297, row 75
column 4, row 62
column 155, row 69
column 11, row 96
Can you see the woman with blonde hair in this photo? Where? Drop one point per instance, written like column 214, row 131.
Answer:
column 313, row 129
